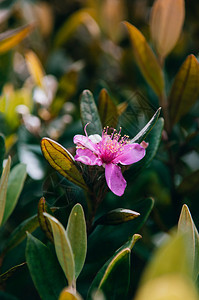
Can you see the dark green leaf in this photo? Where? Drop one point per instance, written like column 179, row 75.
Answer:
column 44, row 269
column 145, row 131
column 107, row 110
column 89, row 113
column 116, row 217
column 43, row 221
column 189, row 184
column 10, row 272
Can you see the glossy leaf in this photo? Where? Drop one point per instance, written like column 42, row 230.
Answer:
column 2, row 152
column 185, row 89
column 76, row 231
column 109, row 275
column 15, row 185
column 146, row 60
column 11, row 38
column 170, row 258
column 112, row 239
column 19, row 234
column 69, row 294
column 62, row 161
column 168, row 287
column 107, row 110
column 186, row 225
column 5, row 276
column 81, row 17
column 63, row 249
column 43, row 221
column 35, row 68
column 116, row 217
column 89, row 113
column 145, row 131
column 167, row 18
column 44, row 269
column 3, row 187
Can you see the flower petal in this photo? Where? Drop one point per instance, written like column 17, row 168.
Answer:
column 87, row 157
column 115, row 179
column 95, row 138
column 130, row 154
column 85, row 142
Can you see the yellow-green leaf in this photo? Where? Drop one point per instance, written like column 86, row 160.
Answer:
column 63, row 249
column 35, row 67
column 185, row 89
column 167, row 18
column 11, row 38
column 3, row 187
column 69, row 294
column 76, row 231
column 107, row 110
column 186, row 225
column 146, row 60
column 62, row 161
column 168, row 287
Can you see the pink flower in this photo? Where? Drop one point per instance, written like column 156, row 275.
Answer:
column 108, row 151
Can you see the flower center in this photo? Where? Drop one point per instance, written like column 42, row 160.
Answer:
column 111, row 145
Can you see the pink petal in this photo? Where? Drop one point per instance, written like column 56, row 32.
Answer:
column 85, row 142
column 130, row 154
column 87, row 157
column 115, row 179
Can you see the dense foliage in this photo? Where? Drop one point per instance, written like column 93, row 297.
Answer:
column 99, row 150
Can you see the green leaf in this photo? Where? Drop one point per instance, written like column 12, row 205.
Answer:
column 44, row 269
column 76, row 231
column 145, row 131
column 170, row 258
column 185, row 89
column 112, row 238
column 19, row 234
column 3, row 188
column 15, row 185
column 2, row 152
column 10, row 272
column 43, row 221
column 63, row 249
column 186, row 225
column 146, row 60
column 117, row 216
column 114, row 275
column 62, row 161
column 189, row 184
column 107, row 110
column 89, row 113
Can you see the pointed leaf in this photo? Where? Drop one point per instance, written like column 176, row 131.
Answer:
column 10, row 272
column 11, row 38
column 76, row 231
column 3, row 188
column 43, row 221
column 103, row 278
column 35, row 68
column 15, row 185
column 146, row 60
column 89, row 113
column 19, row 234
column 186, row 225
column 107, row 110
column 170, row 258
column 62, row 161
column 116, row 217
column 167, row 18
column 2, row 152
column 147, row 128
column 185, row 89
column 44, row 269
column 63, row 248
